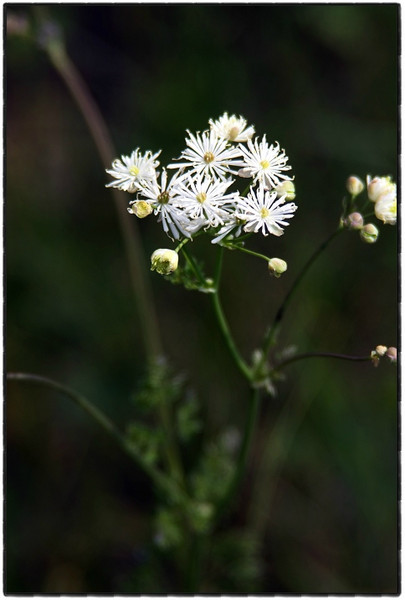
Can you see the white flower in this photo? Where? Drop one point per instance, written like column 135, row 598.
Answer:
column 380, row 186
column 386, row 208
column 265, row 163
column 232, row 225
column 131, row 171
column 162, row 197
column 264, row 212
column 232, row 128
column 206, row 199
column 209, row 155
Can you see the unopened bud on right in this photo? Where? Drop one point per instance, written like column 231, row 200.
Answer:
column 277, row 266
column 369, row 233
column 391, row 354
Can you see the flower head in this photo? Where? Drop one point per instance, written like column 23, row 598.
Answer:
column 266, row 163
column 208, row 154
column 386, row 208
column 205, row 200
column 131, row 171
column 163, row 198
column 379, row 187
column 263, row 211
column 232, row 128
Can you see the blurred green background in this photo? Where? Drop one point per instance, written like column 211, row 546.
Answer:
column 321, row 80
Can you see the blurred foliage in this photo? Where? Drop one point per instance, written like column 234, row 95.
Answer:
column 320, row 79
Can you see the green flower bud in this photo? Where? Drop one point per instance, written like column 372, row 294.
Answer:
column 287, row 189
column 277, row 266
column 164, row 261
column 369, row 233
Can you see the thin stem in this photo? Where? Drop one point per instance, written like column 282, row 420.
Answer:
column 161, row 480
column 247, row 251
column 272, row 331
column 77, row 87
column 243, row 454
column 306, row 355
column 240, row 363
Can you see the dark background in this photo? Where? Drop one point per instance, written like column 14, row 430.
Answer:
column 321, row 80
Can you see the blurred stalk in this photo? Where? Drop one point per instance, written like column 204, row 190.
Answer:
column 50, row 39
column 163, row 482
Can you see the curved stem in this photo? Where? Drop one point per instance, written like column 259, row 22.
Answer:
column 272, row 331
column 305, row 355
column 240, row 363
column 56, row 51
column 161, row 480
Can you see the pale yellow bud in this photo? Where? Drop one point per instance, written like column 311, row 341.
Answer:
column 391, row 354
column 164, row 261
column 369, row 233
column 381, row 350
column 277, row 266
column 354, row 221
column 287, row 189
column 140, row 208
column 354, row 185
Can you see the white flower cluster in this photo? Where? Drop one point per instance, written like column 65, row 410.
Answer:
column 197, row 196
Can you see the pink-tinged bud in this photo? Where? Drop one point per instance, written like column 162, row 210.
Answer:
column 391, row 354
column 354, row 185
column 354, row 221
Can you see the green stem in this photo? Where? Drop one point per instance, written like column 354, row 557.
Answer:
column 194, row 266
column 159, row 478
column 306, row 355
column 243, row 455
column 273, row 330
column 240, row 363
column 246, row 250
column 56, row 51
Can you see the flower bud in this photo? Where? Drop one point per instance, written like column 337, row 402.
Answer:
column 391, row 354
column 164, row 261
column 375, row 359
column 369, row 233
column 354, row 221
column 381, row 350
column 379, row 186
column 140, row 208
column 287, row 189
column 277, row 266
column 354, row 185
